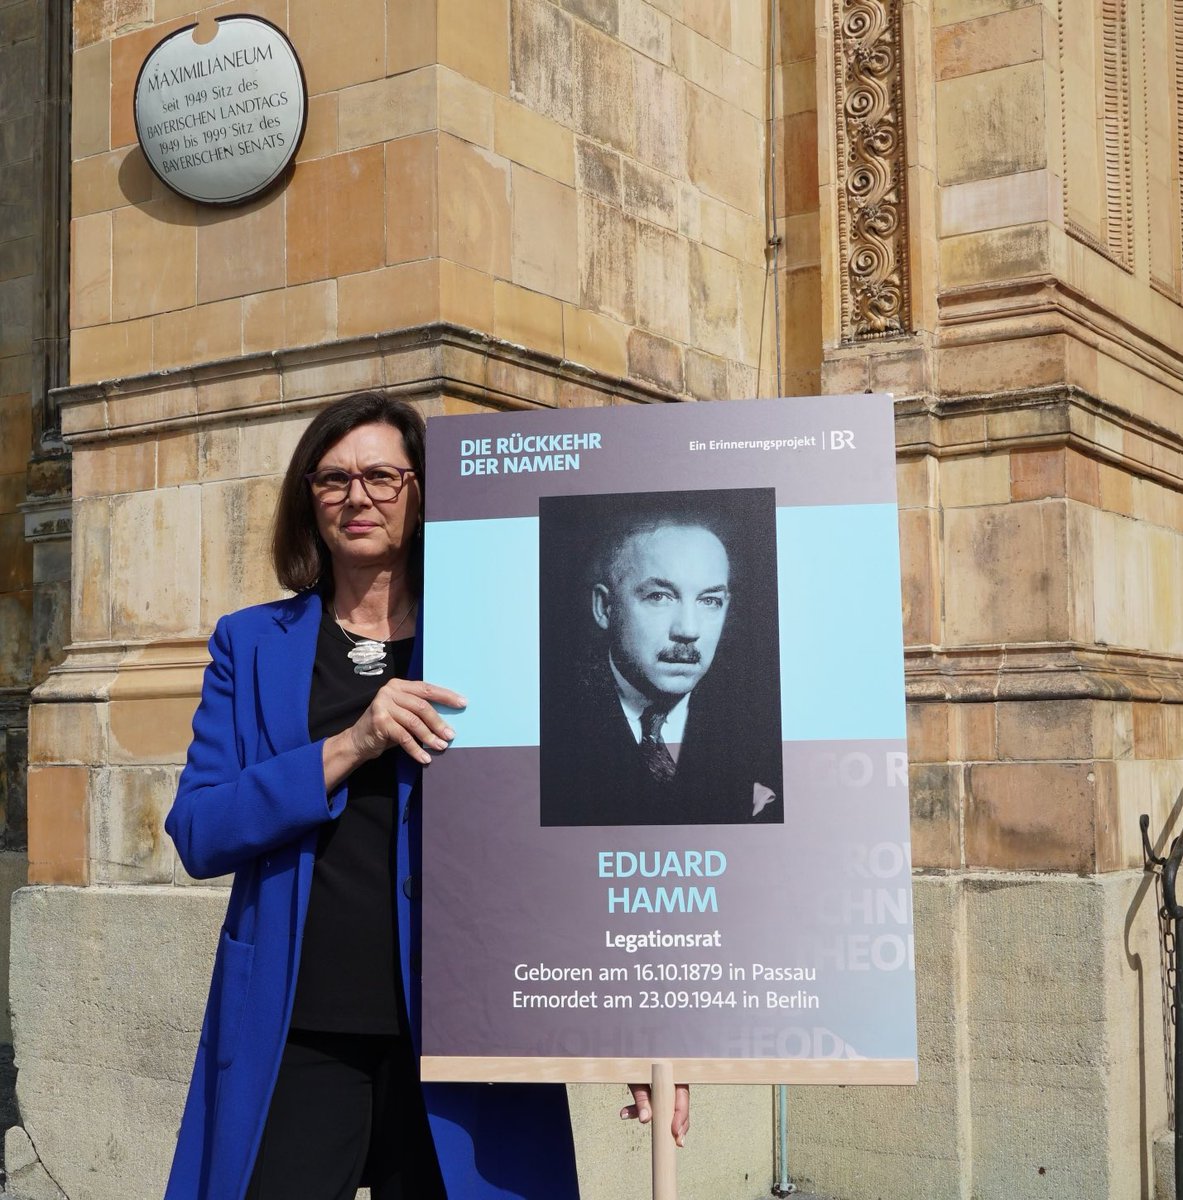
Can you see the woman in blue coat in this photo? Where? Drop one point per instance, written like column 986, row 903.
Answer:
column 302, row 781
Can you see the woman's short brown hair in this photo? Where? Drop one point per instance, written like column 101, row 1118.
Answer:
column 298, row 553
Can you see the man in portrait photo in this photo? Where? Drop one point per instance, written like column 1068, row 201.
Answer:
column 659, row 688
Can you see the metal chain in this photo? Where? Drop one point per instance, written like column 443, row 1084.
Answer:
column 1170, row 1016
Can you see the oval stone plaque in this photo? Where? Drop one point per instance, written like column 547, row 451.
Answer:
column 219, row 121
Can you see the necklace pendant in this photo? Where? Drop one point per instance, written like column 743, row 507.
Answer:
column 368, row 658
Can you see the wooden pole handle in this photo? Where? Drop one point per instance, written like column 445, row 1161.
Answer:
column 665, row 1167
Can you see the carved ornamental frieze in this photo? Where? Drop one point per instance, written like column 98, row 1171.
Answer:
column 872, row 200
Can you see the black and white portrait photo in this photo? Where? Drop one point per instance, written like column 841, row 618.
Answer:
column 659, row 688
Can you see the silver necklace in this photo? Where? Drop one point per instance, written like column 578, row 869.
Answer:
column 367, row 655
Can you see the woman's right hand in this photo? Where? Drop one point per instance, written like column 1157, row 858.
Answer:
column 401, row 714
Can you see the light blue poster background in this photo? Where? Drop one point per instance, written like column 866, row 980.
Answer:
column 838, row 582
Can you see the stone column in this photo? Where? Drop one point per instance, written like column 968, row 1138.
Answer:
column 34, row 472
column 1026, row 226
column 496, row 204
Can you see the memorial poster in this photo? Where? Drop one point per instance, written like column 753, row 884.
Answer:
column 673, row 824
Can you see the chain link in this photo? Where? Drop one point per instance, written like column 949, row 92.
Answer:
column 1169, row 964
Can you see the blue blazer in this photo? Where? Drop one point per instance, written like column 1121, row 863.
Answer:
column 250, row 801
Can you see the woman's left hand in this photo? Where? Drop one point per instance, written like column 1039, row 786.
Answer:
column 641, row 1109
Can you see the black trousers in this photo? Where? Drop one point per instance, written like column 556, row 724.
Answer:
column 346, row 1112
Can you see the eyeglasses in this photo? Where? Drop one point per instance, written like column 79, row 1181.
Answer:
column 381, row 482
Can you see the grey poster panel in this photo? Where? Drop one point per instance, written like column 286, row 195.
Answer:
column 729, row 941
column 812, row 450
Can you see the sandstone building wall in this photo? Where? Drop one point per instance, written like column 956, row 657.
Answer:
column 34, row 469
column 973, row 204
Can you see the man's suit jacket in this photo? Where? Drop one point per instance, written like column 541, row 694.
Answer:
column 251, row 801
column 592, row 772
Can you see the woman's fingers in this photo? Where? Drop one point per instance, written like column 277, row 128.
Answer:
column 403, row 714
column 395, row 732
column 402, row 724
column 442, row 695
column 681, row 1122
column 422, row 697
column 641, row 1109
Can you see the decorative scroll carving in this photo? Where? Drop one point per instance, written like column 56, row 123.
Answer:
column 872, row 200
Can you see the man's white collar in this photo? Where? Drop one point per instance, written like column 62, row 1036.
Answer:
column 633, row 703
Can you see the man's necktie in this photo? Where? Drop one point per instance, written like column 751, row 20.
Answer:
column 653, row 749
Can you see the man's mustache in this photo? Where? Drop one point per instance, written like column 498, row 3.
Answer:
column 680, row 652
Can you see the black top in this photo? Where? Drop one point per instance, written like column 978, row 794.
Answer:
column 349, row 976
